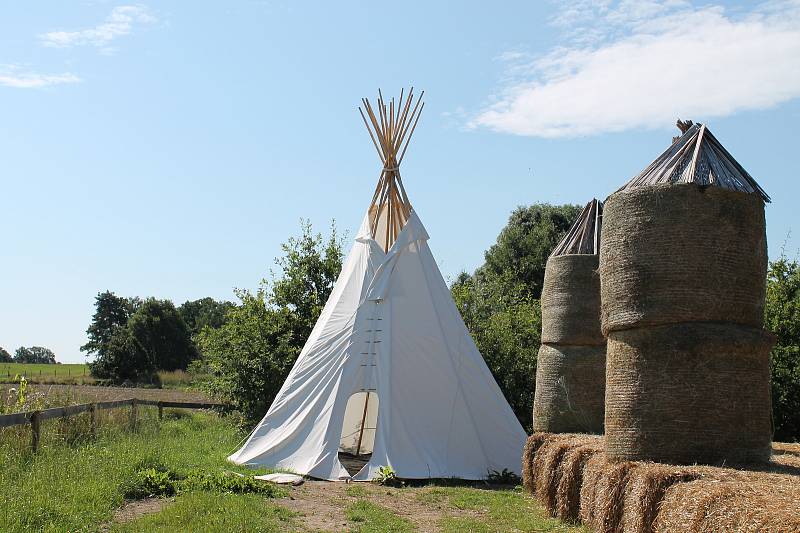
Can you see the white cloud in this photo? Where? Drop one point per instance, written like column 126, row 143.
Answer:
column 122, row 21
column 644, row 63
column 14, row 76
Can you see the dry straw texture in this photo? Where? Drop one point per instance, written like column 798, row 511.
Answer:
column 732, row 502
column 528, row 456
column 689, row 393
column 602, row 504
column 571, row 301
column 645, row 490
column 573, row 479
column 568, row 492
column 570, row 385
column 682, row 253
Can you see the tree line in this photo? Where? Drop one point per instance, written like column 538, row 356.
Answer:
column 33, row 354
column 132, row 339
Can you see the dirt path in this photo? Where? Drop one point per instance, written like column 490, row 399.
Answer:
column 131, row 510
column 322, row 505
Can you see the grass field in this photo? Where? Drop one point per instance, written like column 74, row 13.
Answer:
column 79, row 374
column 63, row 373
column 79, row 485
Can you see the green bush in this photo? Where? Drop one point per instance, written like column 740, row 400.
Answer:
column 151, row 482
column 230, row 483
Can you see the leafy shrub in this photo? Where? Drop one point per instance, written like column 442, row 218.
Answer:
column 151, row 482
column 388, row 477
column 506, row 477
column 228, row 482
column 153, row 479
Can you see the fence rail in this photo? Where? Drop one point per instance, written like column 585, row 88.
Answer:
column 34, row 418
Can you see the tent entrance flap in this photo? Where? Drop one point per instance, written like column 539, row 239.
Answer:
column 360, row 422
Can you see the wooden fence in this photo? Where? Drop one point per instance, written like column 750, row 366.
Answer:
column 35, row 418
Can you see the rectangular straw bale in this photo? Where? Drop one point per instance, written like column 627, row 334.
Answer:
column 528, row 456
column 548, row 462
column 568, row 492
column 644, row 491
column 732, row 502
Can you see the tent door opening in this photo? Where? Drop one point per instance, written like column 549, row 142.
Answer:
column 358, row 430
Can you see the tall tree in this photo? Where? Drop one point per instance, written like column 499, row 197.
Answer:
column 198, row 314
column 519, row 256
column 34, row 354
column 161, row 332
column 5, row 357
column 782, row 317
column 124, row 359
column 111, row 313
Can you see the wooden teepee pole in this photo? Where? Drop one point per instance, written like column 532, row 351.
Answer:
column 390, row 128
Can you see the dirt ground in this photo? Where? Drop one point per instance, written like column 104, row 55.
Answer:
column 321, row 505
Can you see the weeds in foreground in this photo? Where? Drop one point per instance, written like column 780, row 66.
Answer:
column 158, row 481
column 70, row 488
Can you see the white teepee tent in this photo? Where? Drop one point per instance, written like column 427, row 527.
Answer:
column 389, row 369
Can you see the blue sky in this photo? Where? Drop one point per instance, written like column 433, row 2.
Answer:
column 167, row 148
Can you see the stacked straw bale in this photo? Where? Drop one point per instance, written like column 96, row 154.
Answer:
column 575, row 481
column 570, row 368
column 683, row 281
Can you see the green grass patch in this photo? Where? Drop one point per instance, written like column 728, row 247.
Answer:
column 356, row 491
column 500, row 510
column 367, row 517
column 209, row 512
column 69, row 488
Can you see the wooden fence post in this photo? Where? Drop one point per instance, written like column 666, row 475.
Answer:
column 36, row 425
column 133, row 414
column 93, row 419
column 160, row 410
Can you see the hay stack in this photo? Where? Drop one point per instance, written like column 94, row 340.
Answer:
column 683, row 263
column 574, row 480
column 570, row 370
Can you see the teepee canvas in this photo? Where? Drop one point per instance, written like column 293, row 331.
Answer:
column 389, row 372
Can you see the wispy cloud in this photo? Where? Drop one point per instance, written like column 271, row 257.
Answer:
column 643, row 63
column 15, row 76
column 122, row 21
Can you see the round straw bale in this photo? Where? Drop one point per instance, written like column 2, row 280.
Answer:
column 568, row 492
column 682, row 253
column 689, row 393
column 570, row 384
column 571, row 301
